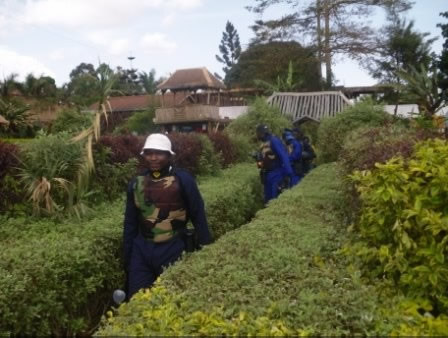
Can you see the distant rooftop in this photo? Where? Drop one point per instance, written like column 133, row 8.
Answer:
column 191, row 79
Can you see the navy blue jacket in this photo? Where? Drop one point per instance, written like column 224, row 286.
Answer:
column 193, row 202
column 282, row 158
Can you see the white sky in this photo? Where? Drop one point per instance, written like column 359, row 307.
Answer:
column 53, row 36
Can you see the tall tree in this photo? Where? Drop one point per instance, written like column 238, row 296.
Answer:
column 8, row 84
column 335, row 26
column 230, row 48
column 148, row 81
column 401, row 48
column 443, row 60
column 268, row 62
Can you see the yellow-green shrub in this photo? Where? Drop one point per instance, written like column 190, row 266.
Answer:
column 277, row 275
column 403, row 228
column 57, row 278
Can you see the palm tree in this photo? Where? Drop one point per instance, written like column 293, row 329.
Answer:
column 16, row 114
column 8, row 84
column 421, row 86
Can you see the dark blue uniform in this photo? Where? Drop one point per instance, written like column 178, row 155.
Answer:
column 144, row 258
column 275, row 164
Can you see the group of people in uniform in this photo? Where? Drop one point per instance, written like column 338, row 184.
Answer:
column 162, row 200
column 282, row 164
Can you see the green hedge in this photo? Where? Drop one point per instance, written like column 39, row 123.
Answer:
column 277, row 275
column 57, row 278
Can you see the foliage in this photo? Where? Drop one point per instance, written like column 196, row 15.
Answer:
column 282, row 85
column 122, row 147
column 224, row 148
column 71, row 120
column 271, row 61
column 242, row 145
column 282, row 276
column 209, row 161
column 332, row 131
column 148, row 81
column 330, row 23
column 57, row 278
column 423, row 89
column 230, row 48
column 49, row 166
column 402, row 48
column 10, row 186
column 442, row 63
column 141, row 123
column 259, row 112
column 402, row 232
column 17, row 114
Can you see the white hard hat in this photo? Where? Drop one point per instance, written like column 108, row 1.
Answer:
column 158, row 142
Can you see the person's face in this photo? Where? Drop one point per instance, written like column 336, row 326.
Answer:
column 260, row 135
column 156, row 160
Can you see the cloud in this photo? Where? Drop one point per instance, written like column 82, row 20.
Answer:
column 56, row 55
column 156, row 42
column 13, row 62
column 92, row 13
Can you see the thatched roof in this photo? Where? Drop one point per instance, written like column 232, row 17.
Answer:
column 191, row 79
column 3, row 120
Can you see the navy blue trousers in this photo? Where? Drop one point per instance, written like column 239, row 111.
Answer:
column 271, row 183
column 148, row 261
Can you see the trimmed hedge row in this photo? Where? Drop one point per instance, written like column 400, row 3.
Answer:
column 278, row 275
column 57, row 278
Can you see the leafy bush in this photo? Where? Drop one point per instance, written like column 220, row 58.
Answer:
column 243, row 147
column 49, row 165
column 224, row 148
column 209, row 161
column 11, row 189
column 72, row 121
column 57, row 278
column 259, row 112
column 239, row 190
column 404, row 220
column 278, row 275
column 141, row 123
column 332, row 131
column 123, row 147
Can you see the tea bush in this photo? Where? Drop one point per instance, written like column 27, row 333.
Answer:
column 57, row 278
column 277, row 275
column 402, row 232
column 332, row 131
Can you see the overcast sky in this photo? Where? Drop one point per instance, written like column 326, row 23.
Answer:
column 53, row 36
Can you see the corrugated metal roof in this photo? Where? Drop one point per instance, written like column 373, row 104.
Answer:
column 192, row 78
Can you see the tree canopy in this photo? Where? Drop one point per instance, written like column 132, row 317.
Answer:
column 270, row 60
column 334, row 26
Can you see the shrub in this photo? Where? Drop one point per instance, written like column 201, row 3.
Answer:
column 57, row 278
column 239, row 190
column 11, row 189
column 72, row 121
column 209, row 161
column 123, row 147
column 49, row 165
column 141, row 123
column 188, row 149
column 402, row 228
column 278, row 275
column 332, row 131
column 259, row 112
column 224, row 148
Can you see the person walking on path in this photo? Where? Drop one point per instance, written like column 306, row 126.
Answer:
column 159, row 204
column 295, row 156
column 275, row 169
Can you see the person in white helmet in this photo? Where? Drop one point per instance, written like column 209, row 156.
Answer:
column 159, row 204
